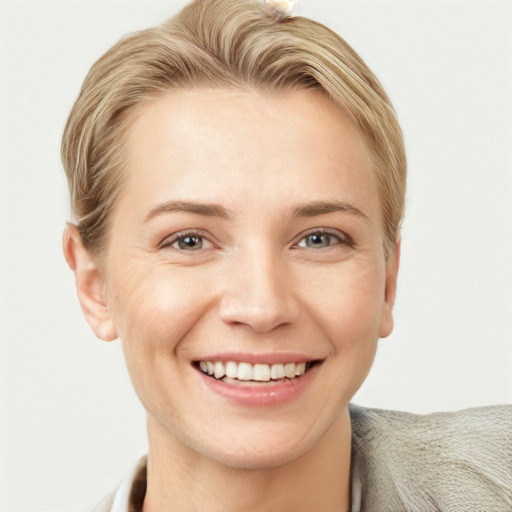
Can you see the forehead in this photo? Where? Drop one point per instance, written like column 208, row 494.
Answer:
column 220, row 145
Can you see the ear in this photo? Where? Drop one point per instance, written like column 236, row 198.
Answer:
column 392, row 265
column 89, row 282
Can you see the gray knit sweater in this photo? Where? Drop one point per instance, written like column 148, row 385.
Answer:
column 401, row 462
column 448, row 462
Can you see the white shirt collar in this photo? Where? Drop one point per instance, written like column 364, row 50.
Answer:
column 122, row 495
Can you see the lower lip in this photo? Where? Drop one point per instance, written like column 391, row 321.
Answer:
column 264, row 395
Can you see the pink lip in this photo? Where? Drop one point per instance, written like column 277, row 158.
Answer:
column 260, row 395
column 268, row 358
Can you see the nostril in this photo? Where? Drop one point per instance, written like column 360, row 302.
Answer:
column 260, row 317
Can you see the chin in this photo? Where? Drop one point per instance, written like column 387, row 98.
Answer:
column 258, row 458
column 264, row 448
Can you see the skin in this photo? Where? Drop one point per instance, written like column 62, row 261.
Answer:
column 255, row 283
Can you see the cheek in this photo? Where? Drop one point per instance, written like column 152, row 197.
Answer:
column 153, row 311
column 349, row 305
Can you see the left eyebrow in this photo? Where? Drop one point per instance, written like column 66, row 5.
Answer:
column 323, row 207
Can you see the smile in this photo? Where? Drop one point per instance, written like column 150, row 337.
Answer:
column 254, row 373
column 267, row 380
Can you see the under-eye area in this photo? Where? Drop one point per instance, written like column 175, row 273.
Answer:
column 235, row 372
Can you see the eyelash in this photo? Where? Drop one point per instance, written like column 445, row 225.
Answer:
column 341, row 239
column 176, row 237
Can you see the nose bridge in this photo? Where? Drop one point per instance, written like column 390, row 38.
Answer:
column 257, row 292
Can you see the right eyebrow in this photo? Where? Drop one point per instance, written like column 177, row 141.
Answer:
column 205, row 209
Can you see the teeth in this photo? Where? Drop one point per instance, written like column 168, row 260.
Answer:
column 231, row 370
column 277, row 371
column 248, row 372
column 261, row 372
column 218, row 370
column 244, row 371
column 289, row 370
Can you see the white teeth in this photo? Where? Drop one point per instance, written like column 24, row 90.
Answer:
column 277, row 371
column 289, row 370
column 218, row 370
column 231, row 370
column 244, row 371
column 261, row 372
column 247, row 372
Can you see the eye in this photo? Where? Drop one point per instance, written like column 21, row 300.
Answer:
column 322, row 239
column 189, row 242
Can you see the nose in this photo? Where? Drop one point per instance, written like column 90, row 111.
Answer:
column 259, row 293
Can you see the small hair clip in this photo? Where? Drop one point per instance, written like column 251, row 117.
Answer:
column 279, row 8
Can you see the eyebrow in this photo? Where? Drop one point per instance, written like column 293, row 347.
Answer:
column 316, row 208
column 310, row 209
column 205, row 209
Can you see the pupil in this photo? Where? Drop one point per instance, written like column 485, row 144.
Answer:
column 319, row 240
column 190, row 242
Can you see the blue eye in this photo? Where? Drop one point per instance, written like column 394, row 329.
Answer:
column 321, row 240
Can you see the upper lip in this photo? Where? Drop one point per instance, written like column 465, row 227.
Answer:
column 268, row 358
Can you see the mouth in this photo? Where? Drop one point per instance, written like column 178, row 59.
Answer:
column 259, row 374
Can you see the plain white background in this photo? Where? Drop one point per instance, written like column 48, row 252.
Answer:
column 70, row 423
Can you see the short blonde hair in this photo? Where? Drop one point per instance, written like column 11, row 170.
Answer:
column 221, row 43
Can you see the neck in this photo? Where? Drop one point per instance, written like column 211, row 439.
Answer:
column 180, row 478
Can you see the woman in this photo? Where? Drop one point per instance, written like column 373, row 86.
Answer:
column 238, row 182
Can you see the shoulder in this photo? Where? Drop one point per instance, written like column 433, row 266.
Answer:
column 442, row 461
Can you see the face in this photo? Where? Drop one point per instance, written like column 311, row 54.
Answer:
column 247, row 242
